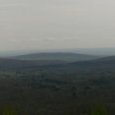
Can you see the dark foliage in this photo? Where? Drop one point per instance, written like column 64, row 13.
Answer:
column 82, row 88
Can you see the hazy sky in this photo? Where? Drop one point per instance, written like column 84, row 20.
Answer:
column 47, row 24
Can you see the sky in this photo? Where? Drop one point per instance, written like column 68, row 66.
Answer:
column 56, row 24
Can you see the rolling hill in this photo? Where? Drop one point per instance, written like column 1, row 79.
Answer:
column 9, row 63
column 58, row 65
column 71, row 57
column 26, row 62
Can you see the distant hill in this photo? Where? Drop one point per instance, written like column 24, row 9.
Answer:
column 42, row 59
column 103, row 60
column 107, row 59
column 71, row 57
column 105, row 64
column 93, row 51
column 9, row 63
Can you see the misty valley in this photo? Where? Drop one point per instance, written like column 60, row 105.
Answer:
column 57, row 84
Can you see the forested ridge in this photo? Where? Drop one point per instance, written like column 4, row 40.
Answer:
column 83, row 88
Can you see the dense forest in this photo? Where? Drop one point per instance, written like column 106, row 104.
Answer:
column 76, row 88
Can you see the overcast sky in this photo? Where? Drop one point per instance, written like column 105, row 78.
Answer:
column 53, row 24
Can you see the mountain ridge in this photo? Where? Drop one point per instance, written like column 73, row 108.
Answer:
column 65, row 56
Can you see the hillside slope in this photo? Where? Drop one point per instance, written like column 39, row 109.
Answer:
column 9, row 63
column 71, row 57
